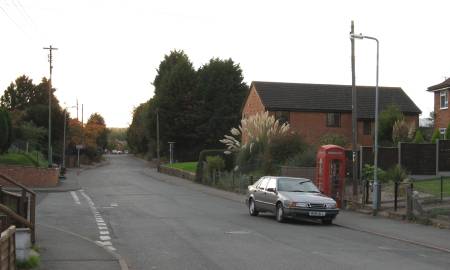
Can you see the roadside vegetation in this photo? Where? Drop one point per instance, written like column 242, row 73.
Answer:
column 195, row 107
column 24, row 125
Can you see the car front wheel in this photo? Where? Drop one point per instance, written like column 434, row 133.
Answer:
column 280, row 213
column 252, row 208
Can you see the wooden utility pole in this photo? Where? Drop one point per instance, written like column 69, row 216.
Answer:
column 50, row 60
column 354, row 120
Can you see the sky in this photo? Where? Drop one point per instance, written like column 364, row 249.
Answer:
column 109, row 50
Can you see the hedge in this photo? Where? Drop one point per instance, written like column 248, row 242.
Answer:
column 229, row 161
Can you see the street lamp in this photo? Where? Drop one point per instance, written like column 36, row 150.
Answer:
column 376, row 184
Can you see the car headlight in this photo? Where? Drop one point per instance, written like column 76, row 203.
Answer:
column 301, row 204
column 331, row 205
column 288, row 203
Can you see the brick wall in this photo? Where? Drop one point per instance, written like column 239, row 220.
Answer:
column 442, row 116
column 313, row 125
column 31, row 176
column 253, row 104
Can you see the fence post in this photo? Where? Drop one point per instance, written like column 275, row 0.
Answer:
column 437, row 157
column 409, row 201
column 395, row 195
column 442, row 187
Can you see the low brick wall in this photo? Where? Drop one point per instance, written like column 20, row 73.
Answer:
column 177, row 173
column 31, row 176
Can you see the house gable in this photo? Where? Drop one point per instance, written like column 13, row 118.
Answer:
column 253, row 104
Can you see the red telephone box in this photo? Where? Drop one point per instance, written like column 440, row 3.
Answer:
column 330, row 171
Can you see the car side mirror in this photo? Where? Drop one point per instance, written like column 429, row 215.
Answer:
column 273, row 190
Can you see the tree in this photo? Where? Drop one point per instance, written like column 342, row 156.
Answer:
column 386, row 122
column 219, row 95
column 174, row 98
column 18, row 95
column 5, row 130
column 97, row 122
column 137, row 134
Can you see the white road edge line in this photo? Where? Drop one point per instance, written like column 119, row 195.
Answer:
column 75, row 197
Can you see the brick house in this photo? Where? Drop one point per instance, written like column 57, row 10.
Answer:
column 314, row 110
column 441, row 111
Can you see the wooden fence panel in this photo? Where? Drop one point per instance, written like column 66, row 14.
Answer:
column 8, row 249
column 418, row 159
column 387, row 157
column 444, row 155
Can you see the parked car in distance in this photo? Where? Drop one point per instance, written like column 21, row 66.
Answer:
column 289, row 197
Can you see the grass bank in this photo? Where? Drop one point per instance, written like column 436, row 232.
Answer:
column 24, row 159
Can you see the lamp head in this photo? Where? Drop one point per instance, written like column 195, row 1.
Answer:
column 358, row 36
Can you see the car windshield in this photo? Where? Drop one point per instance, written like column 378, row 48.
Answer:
column 296, row 185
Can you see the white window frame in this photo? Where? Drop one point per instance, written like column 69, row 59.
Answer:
column 442, row 131
column 443, row 93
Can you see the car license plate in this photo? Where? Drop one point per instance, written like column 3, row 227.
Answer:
column 316, row 214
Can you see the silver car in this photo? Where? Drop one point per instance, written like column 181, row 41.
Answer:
column 289, row 197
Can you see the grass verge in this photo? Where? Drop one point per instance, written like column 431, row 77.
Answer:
column 433, row 186
column 184, row 166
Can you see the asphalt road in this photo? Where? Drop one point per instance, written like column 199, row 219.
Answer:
column 159, row 224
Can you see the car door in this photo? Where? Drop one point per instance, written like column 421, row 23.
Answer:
column 271, row 195
column 260, row 194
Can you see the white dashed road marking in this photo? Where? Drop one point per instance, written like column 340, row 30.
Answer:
column 105, row 239
column 75, row 197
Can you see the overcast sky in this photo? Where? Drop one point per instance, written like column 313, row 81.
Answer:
column 109, row 50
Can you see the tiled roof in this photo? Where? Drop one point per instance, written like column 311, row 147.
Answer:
column 443, row 84
column 331, row 98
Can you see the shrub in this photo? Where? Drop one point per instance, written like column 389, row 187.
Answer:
column 335, row 139
column 368, row 173
column 436, row 136
column 397, row 174
column 213, row 152
column 418, row 138
column 402, row 132
column 284, row 147
column 304, row 159
column 215, row 163
column 447, row 132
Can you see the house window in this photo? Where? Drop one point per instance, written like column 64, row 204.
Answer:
column 444, row 99
column 367, row 128
column 442, row 131
column 333, row 120
column 282, row 117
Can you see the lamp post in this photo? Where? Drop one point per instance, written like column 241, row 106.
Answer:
column 376, row 184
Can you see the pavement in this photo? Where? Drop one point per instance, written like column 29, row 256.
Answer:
column 157, row 221
column 64, row 244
